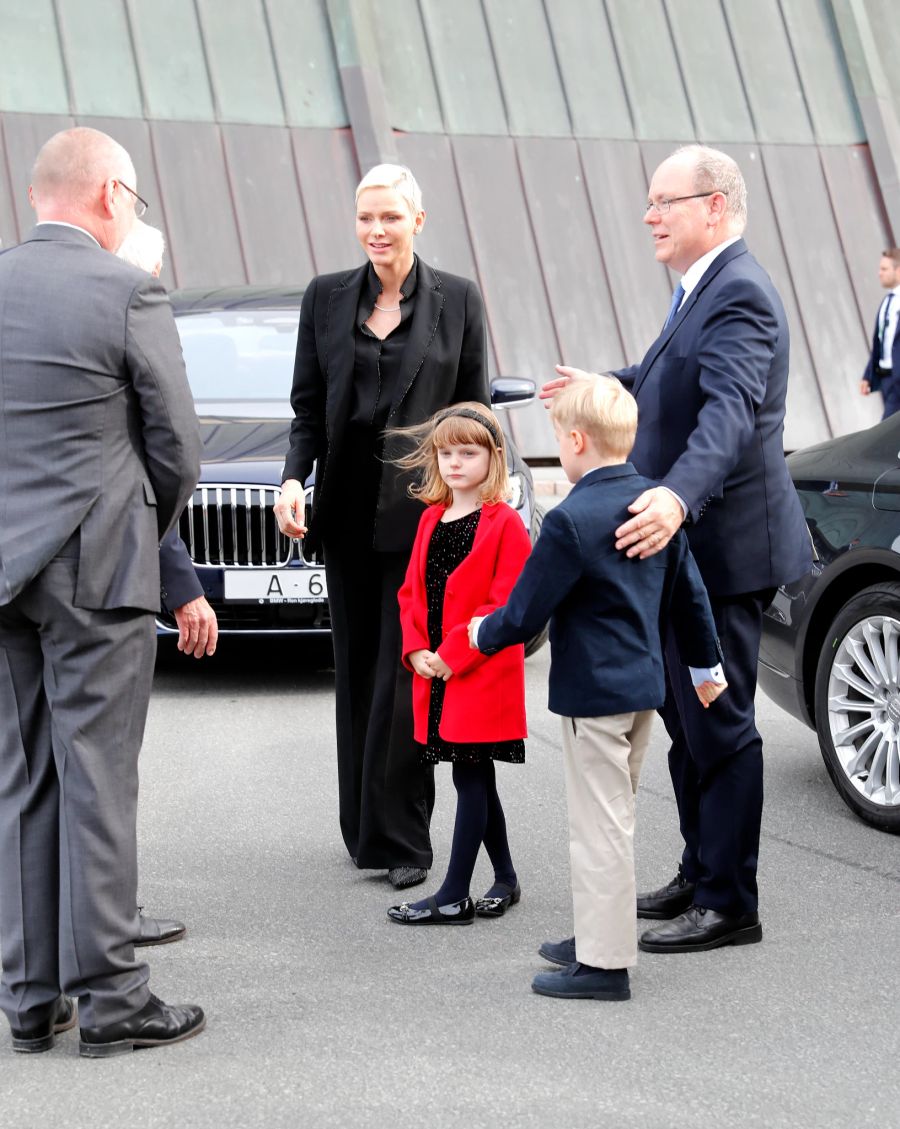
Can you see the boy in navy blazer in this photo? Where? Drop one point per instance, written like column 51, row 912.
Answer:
column 607, row 614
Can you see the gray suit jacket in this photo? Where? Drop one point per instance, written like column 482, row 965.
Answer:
column 97, row 425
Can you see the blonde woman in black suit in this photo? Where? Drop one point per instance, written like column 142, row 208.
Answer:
column 383, row 345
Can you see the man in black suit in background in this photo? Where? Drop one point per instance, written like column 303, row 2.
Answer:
column 883, row 368
column 711, row 398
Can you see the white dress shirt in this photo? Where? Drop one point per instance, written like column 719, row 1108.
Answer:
column 889, row 331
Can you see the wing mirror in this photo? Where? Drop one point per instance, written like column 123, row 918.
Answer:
column 511, row 391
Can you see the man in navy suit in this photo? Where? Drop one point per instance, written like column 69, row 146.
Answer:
column 711, row 395
column 883, row 369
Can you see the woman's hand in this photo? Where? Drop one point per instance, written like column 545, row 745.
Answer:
column 290, row 509
column 418, row 661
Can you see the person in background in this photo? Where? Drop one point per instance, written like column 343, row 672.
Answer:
column 607, row 676
column 883, row 367
column 384, row 345
column 468, row 710
column 181, row 592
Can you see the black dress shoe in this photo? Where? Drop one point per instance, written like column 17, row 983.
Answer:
column 668, row 901
column 159, row 930
column 402, row 877
column 155, row 1025
column 497, row 907
column 700, row 929
column 33, row 1040
column 454, row 913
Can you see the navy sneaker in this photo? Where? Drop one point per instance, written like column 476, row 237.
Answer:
column 559, row 952
column 582, row 982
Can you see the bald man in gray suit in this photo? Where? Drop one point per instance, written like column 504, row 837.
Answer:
column 99, row 452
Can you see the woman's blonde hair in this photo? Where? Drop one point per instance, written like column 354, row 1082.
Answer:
column 397, row 177
column 468, row 423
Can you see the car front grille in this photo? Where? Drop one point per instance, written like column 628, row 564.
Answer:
column 233, row 526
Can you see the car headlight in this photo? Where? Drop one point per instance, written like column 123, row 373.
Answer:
column 517, row 487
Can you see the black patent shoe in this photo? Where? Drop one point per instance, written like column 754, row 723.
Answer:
column 454, row 913
column 497, row 907
column 33, row 1040
column 668, row 901
column 158, row 930
column 700, row 929
column 402, row 877
column 155, row 1025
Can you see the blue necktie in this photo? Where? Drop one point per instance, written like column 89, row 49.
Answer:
column 673, row 309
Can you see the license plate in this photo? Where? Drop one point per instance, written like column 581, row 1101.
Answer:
column 275, row 586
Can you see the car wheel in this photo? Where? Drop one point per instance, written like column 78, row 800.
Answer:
column 857, row 705
column 535, row 644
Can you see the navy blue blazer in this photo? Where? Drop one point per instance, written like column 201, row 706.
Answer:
column 711, row 395
column 872, row 373
column 607, row 612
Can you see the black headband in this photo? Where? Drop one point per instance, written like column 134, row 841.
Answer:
column 470, row 413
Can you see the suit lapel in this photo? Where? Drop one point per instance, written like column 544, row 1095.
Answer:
column 340, row 350
column 709, row 274
column 427, row 314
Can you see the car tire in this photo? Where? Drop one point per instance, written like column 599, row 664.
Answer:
column 857, row 705
column 534, row 645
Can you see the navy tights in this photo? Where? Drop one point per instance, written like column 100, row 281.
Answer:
column 479, row 819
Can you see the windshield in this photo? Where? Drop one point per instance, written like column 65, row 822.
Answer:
column 239, row 355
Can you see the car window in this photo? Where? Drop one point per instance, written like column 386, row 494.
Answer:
column 246, row 355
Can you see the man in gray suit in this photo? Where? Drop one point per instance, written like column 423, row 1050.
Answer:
column 99, row 451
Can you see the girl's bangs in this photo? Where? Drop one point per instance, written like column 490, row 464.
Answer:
column 461, row 431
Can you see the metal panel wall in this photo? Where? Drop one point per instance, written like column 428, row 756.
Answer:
column 767, row 68
column 9, row 227
column 239, row 54
column 525, row 61
column 266, row 194
column 709, row 70
column 328, row 174
column 307, row 68
column 24, row 135
column 568, row 245
column 510, row 270
column 171, row 60
column 102, row 69
column 464, row 67
column 595, row 92
column 409, row 85
column 652, row 76
column 32, row 75
column 205, row 248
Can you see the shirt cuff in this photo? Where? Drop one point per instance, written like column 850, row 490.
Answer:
column 475, row 635
column 701, row 674
column 680, row 501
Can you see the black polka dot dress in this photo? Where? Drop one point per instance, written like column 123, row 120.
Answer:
column 450, row 544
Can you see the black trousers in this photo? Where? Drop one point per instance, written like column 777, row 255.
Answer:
column 716, row 763
column 386, row 794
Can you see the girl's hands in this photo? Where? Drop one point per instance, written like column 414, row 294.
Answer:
column 418, row 661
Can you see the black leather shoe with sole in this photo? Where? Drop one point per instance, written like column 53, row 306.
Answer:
column 155, row 1025
column 497, row 907
column 33, row 1040
column 454, row 913
column 668, row 901
column 700, row 929
column 159, row 931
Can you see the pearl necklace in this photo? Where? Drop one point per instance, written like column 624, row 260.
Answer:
column 387, row 309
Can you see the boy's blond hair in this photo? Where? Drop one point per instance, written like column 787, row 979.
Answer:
column 603, row 409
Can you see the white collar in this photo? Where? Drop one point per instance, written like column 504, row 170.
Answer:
column 62, row 223
column 696, row 271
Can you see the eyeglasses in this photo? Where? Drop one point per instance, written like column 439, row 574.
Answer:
column 141, row 205
column 661, row 207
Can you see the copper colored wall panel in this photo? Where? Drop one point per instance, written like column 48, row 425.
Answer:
column 328, row 173
column 25, row 134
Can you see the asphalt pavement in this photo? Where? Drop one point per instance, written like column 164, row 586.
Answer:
column 322, row 1013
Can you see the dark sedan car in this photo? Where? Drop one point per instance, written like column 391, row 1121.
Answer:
column 239, row 348
column 831, row 643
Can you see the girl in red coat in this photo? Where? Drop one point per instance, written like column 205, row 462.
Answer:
column 468, row 708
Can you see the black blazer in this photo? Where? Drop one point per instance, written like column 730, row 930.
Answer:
column 607, row 611
column 711, row 396
column 444, row 362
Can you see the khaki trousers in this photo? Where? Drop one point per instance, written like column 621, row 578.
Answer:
column 603, row 758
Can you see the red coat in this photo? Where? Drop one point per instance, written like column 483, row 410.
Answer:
column 485, row 698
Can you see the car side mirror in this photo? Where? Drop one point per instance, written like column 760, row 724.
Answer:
column 511, row 391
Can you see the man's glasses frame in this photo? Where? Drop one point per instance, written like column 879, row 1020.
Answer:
column 661, row 207
column 141, row 205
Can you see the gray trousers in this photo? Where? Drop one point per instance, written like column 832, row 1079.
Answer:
column 74, row 690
